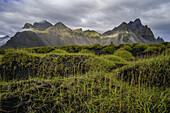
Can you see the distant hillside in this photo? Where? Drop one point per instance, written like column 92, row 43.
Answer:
column 45, row 34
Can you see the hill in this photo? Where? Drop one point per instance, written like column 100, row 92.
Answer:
column 122, row 78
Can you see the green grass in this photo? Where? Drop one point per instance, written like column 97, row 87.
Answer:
column 154, row 71
column 57, row 81
column 124, row 54
column 22, row 65
column 1, row 57
column 86, row 51
column 114, row 58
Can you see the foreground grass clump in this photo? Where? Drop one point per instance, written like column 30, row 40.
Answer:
column 139, row 49
column 22, row 65
column 18, row 66
column 151, row 51
column 92, row 92
column 77, row 81
column 152, row 72
column 64, row 65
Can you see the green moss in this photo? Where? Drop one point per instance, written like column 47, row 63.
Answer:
column 92, row 92
column 141, row 47
column 109, row 49
column 159, row 46
column 59, row 51
column 1, row 58
column 86, row 51
column 9, row 50
column 72, row 48
column 151, row 50
column 127, row 48
column 167, row 44
column 135, row 44
column 2, row 51
column 124, row 54
column 95, row 47
column 44, row 49
column 29, row 50
column 120, row 46
column 22, row 65
column 80, row 82
column 64, row 65
column 114, row 58
column 18, row 66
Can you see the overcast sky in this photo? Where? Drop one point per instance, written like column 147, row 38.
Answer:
column 99, row 15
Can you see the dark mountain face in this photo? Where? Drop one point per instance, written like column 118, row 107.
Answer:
column 41, row 26
column 133, row 32
column 46, row 34
column 142, row 31
column 24, row 39
column 159, row 40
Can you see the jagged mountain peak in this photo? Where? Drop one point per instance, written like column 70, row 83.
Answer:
column 42, row 22
column 122, row 27
column 27, row 26
column 42, row 25
column 60, row 25
column 135, row 25
column 159, row 40
column 137, row 21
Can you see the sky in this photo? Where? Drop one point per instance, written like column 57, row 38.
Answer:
column 99, row 15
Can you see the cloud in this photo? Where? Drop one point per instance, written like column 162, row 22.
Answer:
column 100, row 15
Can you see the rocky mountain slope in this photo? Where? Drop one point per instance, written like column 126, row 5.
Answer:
column 45, row 34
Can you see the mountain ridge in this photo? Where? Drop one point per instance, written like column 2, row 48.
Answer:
column 59, row 35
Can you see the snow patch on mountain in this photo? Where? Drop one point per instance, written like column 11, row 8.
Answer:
column 3, row 39
column 22, row 30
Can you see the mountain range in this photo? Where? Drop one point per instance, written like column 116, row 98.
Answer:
column 45, row 34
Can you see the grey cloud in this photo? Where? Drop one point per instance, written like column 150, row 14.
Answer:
column 100, row 15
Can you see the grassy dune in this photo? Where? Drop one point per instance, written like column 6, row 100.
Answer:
column 78, row 79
